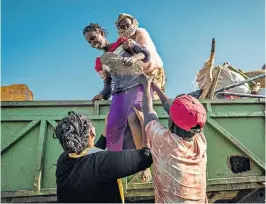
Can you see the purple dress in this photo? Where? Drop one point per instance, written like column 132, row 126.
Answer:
column 126, row 94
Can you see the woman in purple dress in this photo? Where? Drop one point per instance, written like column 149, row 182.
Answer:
column 120, row 67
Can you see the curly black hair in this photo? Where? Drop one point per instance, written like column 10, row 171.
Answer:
column 95, row 27
column 73, row 132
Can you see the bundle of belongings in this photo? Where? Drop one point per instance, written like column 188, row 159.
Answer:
column 210, row 79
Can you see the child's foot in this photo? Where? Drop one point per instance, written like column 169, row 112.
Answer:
column 146, row 175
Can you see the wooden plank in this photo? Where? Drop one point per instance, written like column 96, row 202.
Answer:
column 20, row 135
column 40, row 156
column 214, row 84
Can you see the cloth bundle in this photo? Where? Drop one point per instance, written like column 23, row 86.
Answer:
column 113, row 63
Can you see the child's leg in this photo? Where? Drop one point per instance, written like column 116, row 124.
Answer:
column 135, row 128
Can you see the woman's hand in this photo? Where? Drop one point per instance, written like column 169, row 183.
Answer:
column 97, row 97
column 144, row 80
column 129, row 61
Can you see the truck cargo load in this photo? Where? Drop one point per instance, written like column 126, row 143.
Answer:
column 16, row 92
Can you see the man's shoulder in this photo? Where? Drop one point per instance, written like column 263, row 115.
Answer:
column 201, row 138
column 142, row 31
column 62, row 157
column 155, row 127
column 153, row 124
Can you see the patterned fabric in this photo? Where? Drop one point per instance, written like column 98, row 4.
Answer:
column 110, row 65
column 113, row 47
column 113, row 64
column 158, row 77
column 179, row 166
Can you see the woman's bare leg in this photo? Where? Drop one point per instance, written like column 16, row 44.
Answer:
column 136, row 130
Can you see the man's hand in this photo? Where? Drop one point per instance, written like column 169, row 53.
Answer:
column 97, row 97
column 129, row 61
column 154, row 85
column 144, row 80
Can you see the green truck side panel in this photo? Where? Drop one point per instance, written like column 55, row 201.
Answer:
column 29, row 153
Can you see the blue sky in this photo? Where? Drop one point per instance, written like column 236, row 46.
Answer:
column 43, row 45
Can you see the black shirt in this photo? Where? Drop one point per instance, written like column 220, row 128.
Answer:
column 93, row 178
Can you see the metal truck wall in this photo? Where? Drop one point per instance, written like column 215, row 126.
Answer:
column 235, row 133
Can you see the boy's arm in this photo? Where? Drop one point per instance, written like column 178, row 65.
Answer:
column 163, row 97
column 166, row 102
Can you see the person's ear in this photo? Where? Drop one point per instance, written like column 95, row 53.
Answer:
column 92, row 133
column 102, row 33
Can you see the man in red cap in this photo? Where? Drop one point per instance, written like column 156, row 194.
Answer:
column 179, row 151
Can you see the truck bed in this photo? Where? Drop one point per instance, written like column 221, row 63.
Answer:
column 235, row 132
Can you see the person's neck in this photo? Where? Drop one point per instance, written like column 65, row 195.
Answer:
column 133, row 36
column 107, row 46
column 188, row 139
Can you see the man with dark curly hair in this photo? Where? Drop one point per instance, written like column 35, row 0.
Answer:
column 86, row 173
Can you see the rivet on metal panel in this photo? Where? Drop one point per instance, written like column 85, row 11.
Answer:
column 97, row 107
column 208, row 107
